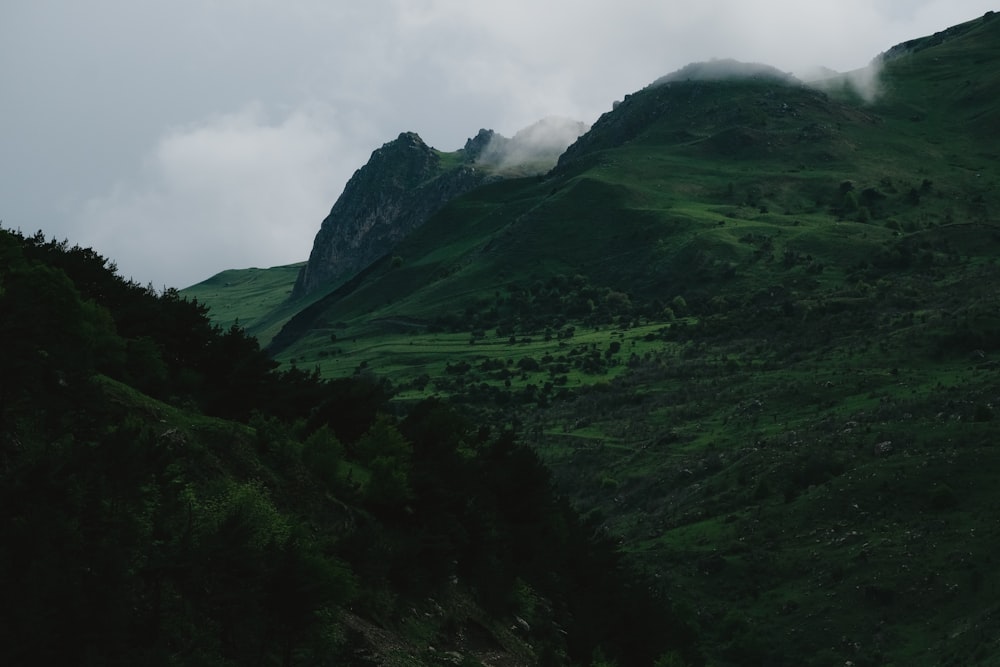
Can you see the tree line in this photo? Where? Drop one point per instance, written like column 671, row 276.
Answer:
column 169, row 496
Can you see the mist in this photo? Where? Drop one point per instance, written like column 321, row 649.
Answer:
column 864, row 82
column 534, row 149
column 725, row 69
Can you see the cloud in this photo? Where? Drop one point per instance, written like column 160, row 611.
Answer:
column 535, row 149
column 866, row 81
column 232, row 191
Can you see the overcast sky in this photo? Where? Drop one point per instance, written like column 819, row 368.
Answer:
column 186, row 137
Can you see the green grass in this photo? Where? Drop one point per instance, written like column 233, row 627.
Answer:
column 739, row 455
column 255, row 299
column 403, row 358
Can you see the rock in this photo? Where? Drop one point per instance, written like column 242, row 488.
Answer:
column 404, row 183
column 400, row 187
column 883, row 448
column 522, row 624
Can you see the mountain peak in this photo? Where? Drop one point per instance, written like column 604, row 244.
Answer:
column 726, row 69
column 475, row 146
column 403, row 183
column 410, row 139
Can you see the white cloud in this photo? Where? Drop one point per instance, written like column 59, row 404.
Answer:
column 232, row 191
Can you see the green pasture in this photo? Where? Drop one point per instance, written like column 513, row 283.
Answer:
column 256, row 299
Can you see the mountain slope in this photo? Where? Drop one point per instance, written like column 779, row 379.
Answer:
column 752, row 328
column 255, row 299
column 677, row 188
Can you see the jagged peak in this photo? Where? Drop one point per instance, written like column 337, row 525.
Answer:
column 405, row 140
column 475, row 146
column 411, row 138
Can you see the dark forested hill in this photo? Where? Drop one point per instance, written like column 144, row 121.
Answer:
column 168, row 497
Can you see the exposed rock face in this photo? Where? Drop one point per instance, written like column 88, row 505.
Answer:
column 475, row 146
column 404, row 184
column 400, row 187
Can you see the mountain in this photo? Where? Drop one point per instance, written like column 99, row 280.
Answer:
column 651, row 202
column 401, row 185
column 750, row 325
column 654, row 199
column 406, row 181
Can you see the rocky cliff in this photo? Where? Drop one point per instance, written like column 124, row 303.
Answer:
column 403, row 184
column 406, row 181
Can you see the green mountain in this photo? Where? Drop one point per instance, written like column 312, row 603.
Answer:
column 258, row 300
column 404, row 182
column 751, row 327
column 686, row 186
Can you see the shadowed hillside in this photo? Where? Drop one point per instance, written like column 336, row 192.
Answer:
column 169, row 497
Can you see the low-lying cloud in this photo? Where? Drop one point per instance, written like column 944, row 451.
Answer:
column 725, row 69
column 865, row 82
column 534, row 149
column 232, row 191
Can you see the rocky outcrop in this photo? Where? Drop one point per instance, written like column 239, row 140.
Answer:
column 400, row 187
column 477, row 145
column 406, row 181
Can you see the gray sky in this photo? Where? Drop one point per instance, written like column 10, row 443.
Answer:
column 186, row 137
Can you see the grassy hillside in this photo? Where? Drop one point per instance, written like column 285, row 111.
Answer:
column 255, row 299
column 752, row 328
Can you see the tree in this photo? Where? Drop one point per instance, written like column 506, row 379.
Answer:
column 387, row 455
